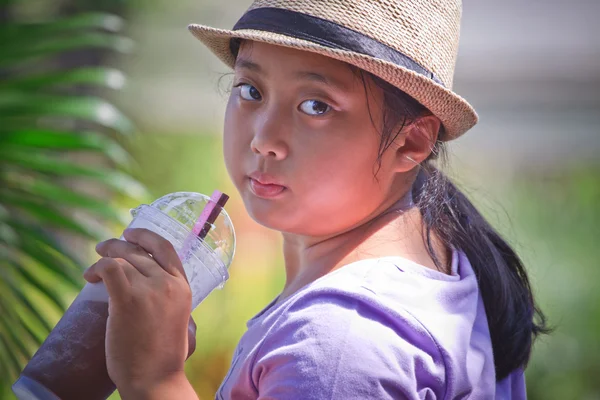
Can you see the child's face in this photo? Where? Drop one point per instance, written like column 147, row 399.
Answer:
column 303, row 120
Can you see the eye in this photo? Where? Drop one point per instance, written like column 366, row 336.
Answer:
column 249, row 92
column 314, row 107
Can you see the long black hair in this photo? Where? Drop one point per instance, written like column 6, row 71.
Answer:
column 514, row 319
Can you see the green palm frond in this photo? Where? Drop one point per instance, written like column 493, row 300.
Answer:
column 46, row 132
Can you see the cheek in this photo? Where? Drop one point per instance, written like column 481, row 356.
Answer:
column 349, row 180
column 232, row 140
column 347, row 160
column 343, row 189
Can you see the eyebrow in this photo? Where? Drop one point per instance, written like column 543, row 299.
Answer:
column 316, row 77
column 244, row 63
column 313, row 76
column 247, row 64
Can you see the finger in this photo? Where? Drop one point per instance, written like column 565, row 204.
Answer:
column 160, row 248
column 114, row 273
column 191, row 337
column 134, row 254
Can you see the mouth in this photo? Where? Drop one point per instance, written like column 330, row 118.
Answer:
column 265, row 186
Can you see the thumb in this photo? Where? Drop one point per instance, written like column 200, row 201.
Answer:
column 191, row 337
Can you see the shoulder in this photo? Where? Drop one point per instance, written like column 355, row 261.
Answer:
column 344, row 341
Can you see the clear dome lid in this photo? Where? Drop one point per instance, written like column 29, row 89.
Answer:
column 186, row 208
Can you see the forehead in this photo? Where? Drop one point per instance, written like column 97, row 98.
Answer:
column 279, row 59
column 248, row 48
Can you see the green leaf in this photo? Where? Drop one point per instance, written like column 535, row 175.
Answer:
column 18, row 323
column 92, row 109
column 28, row 48
column 18, row 339
column 83, row 21
column 17, row 293
column 94, row 76
column 8, row 234
column 4, row 213
column 10, row 358
column 21, row 324
column 91, row 20
column 51, row 193
column 6, row 365
column 37, row 251
column 35, row 282
column 34, row 234
column 48, row 215
column 46, row 164
column 74, row 141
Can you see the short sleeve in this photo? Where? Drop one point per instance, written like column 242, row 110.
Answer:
column 343, row 346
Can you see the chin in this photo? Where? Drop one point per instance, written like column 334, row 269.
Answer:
column 266, row 213
column 268, row 219
column 286, row 222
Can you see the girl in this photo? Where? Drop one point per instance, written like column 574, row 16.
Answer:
column 396, row 287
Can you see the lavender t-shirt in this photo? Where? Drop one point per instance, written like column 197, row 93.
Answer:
column 383, row 328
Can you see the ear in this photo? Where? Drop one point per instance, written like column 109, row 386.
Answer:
column 418, row 140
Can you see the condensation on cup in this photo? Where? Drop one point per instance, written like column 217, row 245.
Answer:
column 71, row 363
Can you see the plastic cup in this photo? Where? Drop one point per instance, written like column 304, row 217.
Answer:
column 71, row 363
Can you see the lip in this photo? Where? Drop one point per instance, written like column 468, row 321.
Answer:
column 266, row 179
column 265, row 186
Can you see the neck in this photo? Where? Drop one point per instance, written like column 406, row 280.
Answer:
column 394, row 231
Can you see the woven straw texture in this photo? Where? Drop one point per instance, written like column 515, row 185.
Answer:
column 425, row 30
column 407, row 26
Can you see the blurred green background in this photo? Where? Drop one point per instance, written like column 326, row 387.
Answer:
column 79, row 143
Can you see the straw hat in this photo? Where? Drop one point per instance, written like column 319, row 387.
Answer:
column 411, row 44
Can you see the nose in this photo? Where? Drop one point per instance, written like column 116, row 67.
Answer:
column 269, row 137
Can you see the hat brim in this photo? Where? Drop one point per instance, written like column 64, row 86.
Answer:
column 455, row 113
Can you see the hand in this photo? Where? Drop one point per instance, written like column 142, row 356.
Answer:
column 149, row 333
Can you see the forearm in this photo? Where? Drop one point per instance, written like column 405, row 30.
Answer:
column 175, row 387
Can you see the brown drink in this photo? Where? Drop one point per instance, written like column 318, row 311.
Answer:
column 71, row 363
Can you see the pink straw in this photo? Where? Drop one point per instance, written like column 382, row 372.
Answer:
column 204, row 222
